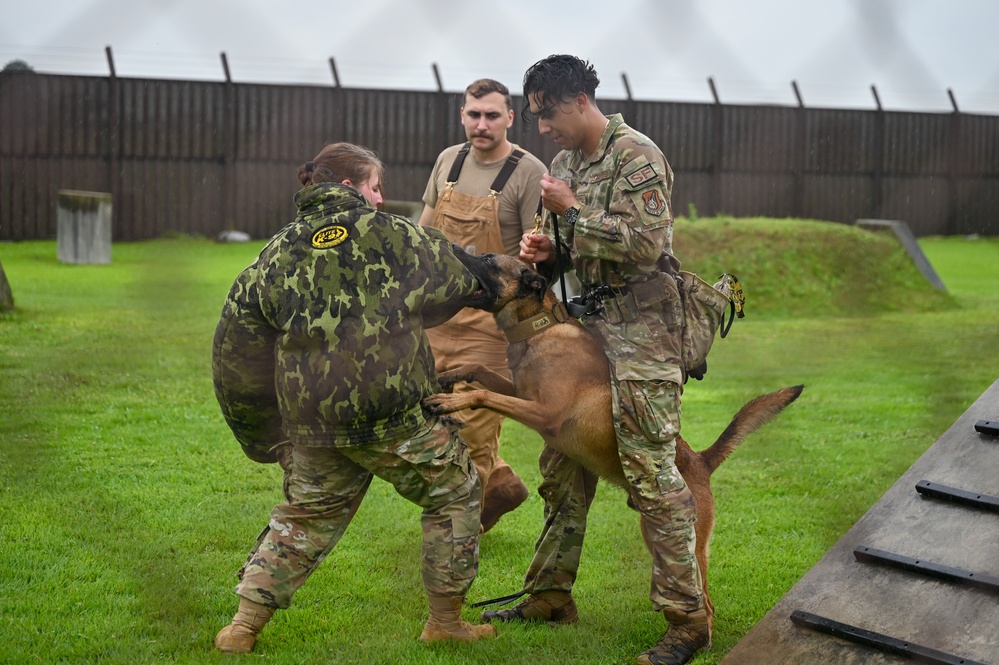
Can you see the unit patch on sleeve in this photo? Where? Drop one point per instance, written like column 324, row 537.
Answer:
column 655, row 204
column 329, row 236
column 643, row 175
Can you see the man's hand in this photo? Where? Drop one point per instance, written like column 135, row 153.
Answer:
column 535, row 248
column 556, row 195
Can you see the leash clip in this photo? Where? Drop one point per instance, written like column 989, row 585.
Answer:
column 580, row 306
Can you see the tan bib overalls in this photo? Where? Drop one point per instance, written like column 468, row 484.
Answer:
column 472, row 222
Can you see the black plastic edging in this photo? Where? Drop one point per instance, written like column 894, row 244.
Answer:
column 984, row 581
column 917, row 653
column 958, row 495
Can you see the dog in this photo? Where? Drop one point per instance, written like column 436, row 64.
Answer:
column 561, row 388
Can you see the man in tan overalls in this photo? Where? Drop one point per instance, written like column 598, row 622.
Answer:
column 484, row 195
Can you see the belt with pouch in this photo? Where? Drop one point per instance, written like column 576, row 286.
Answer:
column 625, row 303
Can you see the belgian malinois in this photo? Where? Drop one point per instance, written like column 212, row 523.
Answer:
column 561, row 387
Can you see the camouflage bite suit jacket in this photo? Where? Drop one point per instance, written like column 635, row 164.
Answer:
column 321, row 339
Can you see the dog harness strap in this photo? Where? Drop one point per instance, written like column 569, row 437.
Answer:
column 535, row 324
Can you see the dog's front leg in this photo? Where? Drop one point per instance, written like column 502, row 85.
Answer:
column 476, row 373
column 526, row 412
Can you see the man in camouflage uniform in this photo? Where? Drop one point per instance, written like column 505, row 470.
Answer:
column 321, row 342
column 612, row 186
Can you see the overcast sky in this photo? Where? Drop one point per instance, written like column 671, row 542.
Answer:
column 911, row 50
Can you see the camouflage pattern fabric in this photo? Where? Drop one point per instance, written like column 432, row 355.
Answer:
column 321, row 340
column 326, row 486
column 321, row 351
column 626, row 221
column 568, row 490
column 625, row 225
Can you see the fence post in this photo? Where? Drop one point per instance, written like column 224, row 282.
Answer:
column 442, row 110
column 336, row 75
column 955, row 163
column 877, row 185
column 716, row 162
column 114, row 149
column 228, row 144
column 631, row 102
column 339, row 121
column 798, row 169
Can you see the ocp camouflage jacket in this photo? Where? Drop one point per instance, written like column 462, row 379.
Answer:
column 321, row 339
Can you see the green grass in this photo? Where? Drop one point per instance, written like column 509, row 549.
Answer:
column 126, row 507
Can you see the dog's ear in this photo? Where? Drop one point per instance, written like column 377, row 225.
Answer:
column 533, row 283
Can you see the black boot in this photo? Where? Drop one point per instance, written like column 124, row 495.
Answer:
column 554, row 607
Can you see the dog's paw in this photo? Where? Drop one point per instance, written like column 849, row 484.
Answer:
column 451, row 421
column 451, row 378
column 439, row 404
column 447, row 383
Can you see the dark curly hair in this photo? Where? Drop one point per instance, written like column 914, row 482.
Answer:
column 558, row 78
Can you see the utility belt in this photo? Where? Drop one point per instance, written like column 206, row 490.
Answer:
column 625, row 303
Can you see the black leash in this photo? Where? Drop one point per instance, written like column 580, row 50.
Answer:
column 581, row 305
column 558, row 254
column 502, row 600
column 558, row 245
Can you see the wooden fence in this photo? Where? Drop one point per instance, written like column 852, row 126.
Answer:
column 197, row 157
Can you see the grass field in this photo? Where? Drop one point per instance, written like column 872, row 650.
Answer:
column 126, row 507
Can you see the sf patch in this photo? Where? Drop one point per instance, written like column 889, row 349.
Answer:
column 655, row 204
column 641, row 176
column 329, row 236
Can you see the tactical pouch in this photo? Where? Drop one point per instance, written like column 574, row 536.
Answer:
column 660, row 292
column 704, row 312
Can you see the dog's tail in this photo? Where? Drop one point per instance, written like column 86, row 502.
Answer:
column 754, row 415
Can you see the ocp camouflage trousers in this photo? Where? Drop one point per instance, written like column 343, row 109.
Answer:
column 325, row 487
column 646, row 422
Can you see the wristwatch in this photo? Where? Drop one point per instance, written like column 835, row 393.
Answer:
column 571, row 215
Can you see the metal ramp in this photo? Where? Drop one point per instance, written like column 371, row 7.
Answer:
column 915, row 580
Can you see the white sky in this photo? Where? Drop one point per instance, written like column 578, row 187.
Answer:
column 912, row 50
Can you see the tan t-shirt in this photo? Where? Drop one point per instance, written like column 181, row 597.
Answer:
column 518, row 202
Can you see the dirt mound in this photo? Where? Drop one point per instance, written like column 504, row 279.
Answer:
column 805, row 268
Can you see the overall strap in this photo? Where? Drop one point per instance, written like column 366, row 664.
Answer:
column 459, row 160
column 511, row 163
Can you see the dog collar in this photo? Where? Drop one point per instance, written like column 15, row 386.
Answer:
column 537, row 323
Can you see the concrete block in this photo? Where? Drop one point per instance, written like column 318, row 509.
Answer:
column 83, row 226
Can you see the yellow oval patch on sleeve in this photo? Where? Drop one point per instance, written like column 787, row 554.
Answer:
column 329, row 236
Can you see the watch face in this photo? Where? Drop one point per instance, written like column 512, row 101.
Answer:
column 571, row 215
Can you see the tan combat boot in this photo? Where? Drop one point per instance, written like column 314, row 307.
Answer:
column 445, row 622
column 240, row 635
column 688, row 633
column 555, row 607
